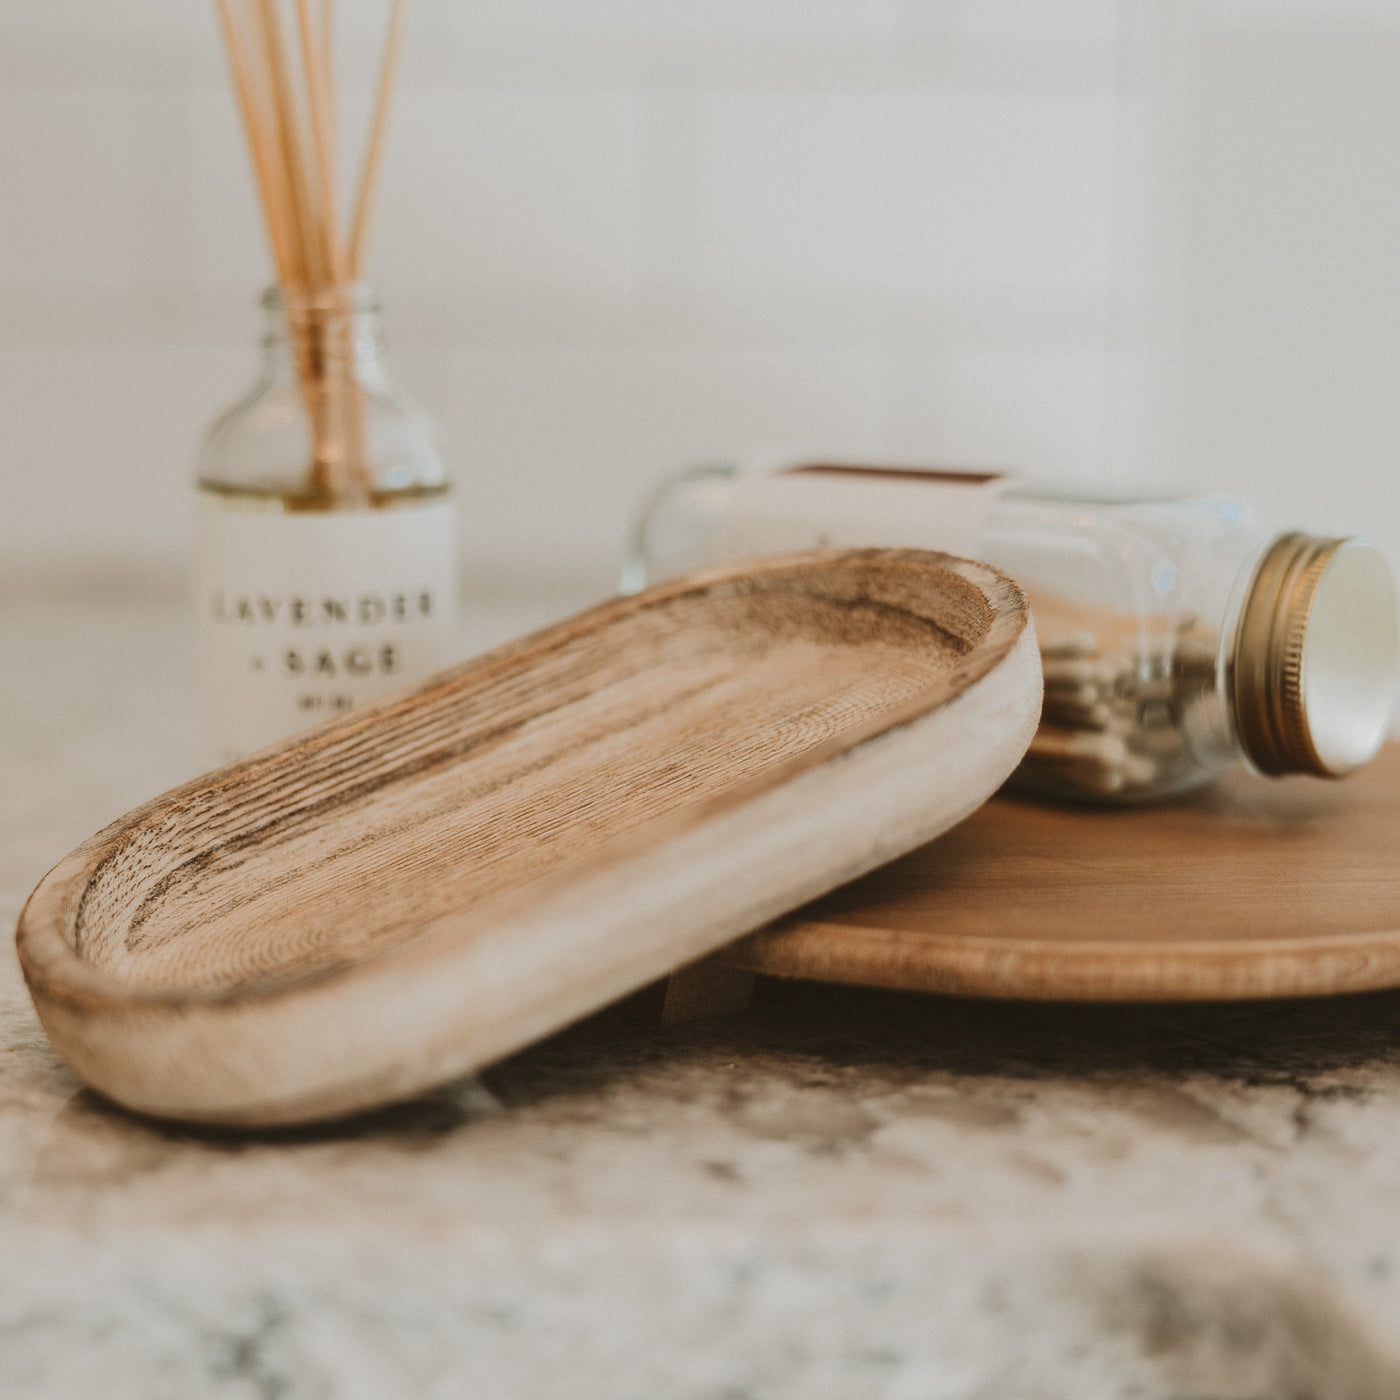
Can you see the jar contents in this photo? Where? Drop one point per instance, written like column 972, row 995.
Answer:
column 1114, row 720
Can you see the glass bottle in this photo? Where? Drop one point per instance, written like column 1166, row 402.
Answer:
column 1178, row 635
column 326, row 564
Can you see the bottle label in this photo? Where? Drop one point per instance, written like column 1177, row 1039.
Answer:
column 304, row 615
column 817, row 507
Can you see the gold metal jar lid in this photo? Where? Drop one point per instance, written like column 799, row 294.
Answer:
column 1314, row 664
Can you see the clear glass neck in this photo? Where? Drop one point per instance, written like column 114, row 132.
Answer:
column 337, row 332
column 323, row 428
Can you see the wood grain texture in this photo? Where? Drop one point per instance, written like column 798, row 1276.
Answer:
column 426, row 884
column 1259, row 888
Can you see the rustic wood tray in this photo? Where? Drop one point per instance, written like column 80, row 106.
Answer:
column 1257, row 888
column 422, row 886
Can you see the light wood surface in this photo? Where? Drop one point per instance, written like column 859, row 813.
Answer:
column 426, row 884
column 1258, row 888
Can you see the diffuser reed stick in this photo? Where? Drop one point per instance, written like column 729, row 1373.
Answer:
column 374, row 147
column 284, row 83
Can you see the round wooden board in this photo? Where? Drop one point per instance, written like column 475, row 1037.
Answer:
column 1256, row 888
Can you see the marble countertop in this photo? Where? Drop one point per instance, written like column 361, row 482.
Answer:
column 837, row 1193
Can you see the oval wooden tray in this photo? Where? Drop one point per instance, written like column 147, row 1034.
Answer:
column 422, row 886
column 1257, row 888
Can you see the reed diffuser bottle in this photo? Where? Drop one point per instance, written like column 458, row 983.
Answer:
column 326, row 567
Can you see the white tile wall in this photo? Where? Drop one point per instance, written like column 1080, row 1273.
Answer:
column 510, row 188
column 1296, row 276
column 886, row 193
column 66, row 190
column 618, row 235
column 98, row 447
column 218, row 204
column 1003, row 407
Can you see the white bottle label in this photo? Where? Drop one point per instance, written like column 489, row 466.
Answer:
column 853, row 506
column 304, row 615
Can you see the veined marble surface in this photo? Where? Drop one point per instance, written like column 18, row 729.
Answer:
column 838, row 1194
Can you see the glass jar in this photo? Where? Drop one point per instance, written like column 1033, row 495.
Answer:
column 326, row 563
column 1178, row 635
